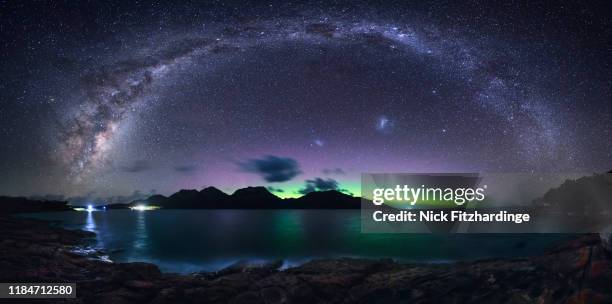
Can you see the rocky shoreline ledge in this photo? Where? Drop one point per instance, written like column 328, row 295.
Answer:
column 579, row 271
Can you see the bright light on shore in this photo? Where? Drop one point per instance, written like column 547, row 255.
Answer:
column 90, row 208
column 143, row 208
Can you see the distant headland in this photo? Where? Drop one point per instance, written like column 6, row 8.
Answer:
column 207, row 198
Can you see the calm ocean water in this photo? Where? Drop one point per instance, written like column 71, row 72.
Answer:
column 208, row 240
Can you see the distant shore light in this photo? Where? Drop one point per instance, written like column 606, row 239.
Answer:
column 143, row 208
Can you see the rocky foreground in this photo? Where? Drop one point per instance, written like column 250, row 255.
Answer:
column 580, row 271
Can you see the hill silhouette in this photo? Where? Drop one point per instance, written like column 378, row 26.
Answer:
column 10, row 205
column 249, row 198
column 588, row 194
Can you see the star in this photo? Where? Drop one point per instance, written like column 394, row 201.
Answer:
column 384, row 124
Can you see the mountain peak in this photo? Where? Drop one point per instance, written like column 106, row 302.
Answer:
column 211, row 189
column 327, row 193
column 254, row 193
column 252, row 189
column 330, row 199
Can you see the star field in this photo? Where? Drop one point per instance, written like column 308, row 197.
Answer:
column 123, row 99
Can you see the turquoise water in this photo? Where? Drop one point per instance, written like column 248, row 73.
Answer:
column 207, row 240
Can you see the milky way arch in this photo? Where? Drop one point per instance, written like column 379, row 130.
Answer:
column 116, row 90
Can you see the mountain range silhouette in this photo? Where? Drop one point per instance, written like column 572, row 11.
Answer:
column 246, row 198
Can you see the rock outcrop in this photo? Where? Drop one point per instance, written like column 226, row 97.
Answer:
column 9, row 205
column 579, row 271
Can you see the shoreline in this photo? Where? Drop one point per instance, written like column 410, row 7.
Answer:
column 37, row 251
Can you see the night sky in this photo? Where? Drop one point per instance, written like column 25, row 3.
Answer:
column 116, row 99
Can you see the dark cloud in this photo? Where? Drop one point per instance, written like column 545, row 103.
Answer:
column 307, row 189
column 346, row 191
column 319, row 184
column 185, row 168
column 137, row 166
column 277, row 190
column 273, row 168
column 337, row 171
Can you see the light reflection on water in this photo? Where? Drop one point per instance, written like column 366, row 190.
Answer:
column 206, row 240
column 90, row 225
column 140, row 241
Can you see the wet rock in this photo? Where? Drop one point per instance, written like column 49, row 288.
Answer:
column 273, row 295
column 136, row 284
column 577, row 271
column 135, row 271
column 606, row 241
column 123, row 295
column 248, row 266
column 250, row 297
column 166, row 295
